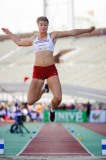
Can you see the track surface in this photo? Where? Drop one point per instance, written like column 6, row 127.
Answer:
column 54, row 140
column 96, row 127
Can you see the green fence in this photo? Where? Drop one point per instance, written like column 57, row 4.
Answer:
column 67, row 116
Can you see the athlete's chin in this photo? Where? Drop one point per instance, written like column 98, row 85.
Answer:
column 43, row 31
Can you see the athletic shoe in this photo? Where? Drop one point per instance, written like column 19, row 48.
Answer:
column 52, row 116
column 46, row 88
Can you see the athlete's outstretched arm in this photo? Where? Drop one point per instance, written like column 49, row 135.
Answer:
column 74, row 32
column 17, row 40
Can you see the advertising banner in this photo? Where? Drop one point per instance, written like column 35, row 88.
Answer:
column 67, row 116
column 98, row 116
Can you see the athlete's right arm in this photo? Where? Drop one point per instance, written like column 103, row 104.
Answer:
column 17, row 40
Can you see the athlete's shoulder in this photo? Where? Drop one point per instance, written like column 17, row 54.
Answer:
column 57, row 34
column 53, row 34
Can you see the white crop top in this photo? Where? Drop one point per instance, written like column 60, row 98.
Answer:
column 43, row 45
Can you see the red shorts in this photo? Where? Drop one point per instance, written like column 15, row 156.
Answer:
column 44, row 72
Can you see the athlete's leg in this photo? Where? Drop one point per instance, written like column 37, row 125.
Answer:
column 55, row 87
column 35, row 91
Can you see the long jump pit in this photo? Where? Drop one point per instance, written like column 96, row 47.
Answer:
column 54, row 142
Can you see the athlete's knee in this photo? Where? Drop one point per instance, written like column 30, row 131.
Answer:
column 31, row 102
column 58, row 99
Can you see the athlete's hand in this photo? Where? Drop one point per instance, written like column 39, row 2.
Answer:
column 91, row 29
column 5, row 30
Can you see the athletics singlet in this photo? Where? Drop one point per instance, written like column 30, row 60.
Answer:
column 43, row 45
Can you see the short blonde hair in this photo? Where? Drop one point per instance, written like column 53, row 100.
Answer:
column 42, row 18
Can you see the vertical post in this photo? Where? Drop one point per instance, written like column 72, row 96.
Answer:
column 23, row 93
column 44, row 7
column 71, row 14
column 1, row 146
column 103, row 146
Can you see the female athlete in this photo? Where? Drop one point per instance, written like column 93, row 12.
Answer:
column 44, row 67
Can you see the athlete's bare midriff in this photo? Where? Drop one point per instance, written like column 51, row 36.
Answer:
column 44, row 58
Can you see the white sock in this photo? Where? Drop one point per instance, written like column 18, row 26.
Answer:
column 52, row 110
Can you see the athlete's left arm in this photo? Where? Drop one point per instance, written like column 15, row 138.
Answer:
column 74, row 32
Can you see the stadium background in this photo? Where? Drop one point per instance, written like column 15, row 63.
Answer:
column 80, row 60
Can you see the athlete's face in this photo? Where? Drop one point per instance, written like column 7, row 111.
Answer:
column 43, row 26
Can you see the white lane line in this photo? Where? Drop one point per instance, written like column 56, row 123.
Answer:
column 81, row 143
column 83, row 146
column 29, row 141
